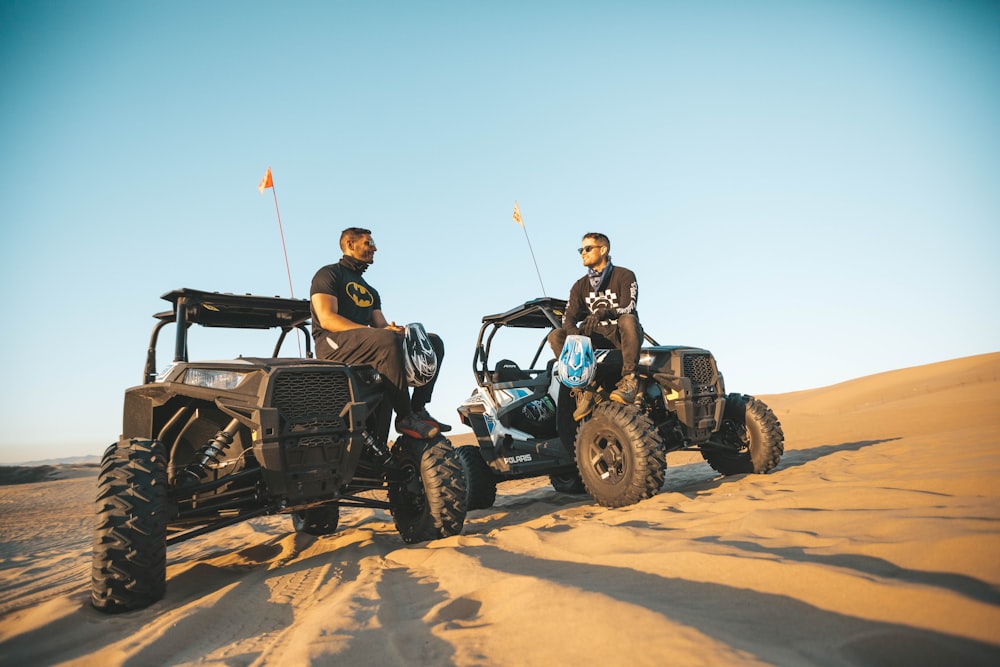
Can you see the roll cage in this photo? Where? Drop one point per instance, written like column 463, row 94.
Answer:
column 542, row 313
column 224, row 310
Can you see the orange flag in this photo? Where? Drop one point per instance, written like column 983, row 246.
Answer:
column 517, row 214
column 266, row 182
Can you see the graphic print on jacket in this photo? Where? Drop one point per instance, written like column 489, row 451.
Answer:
column 606, row 299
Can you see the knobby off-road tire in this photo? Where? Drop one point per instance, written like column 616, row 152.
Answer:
column 130, row 539
column 482, row 487
column 620, row 455
column 567, row 482
column 749, row 440
column 317, row 521
column 431, row 503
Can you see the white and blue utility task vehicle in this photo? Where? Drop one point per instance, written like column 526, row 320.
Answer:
column 522, row 418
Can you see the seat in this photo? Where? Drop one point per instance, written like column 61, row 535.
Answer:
column 508, row 371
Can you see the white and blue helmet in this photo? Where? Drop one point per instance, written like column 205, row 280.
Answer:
column 418, row 356
column 576, row 364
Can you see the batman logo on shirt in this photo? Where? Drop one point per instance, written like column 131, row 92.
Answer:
column 359, row 294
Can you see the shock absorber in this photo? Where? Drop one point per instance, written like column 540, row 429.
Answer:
column 379, row 449
column 195, row 471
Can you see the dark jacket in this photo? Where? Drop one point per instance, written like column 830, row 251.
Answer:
column 617, row 292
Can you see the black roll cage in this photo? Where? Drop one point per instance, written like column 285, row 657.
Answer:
column 543, row 313
column 224, row 310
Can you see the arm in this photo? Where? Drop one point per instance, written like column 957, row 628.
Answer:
column 325, row 306
column 628, row 293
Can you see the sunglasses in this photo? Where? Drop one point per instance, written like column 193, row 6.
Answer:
column 587, row 248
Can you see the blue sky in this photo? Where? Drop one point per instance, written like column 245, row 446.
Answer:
column 808, row 189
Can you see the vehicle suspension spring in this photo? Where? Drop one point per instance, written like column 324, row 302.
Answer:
column 379, row 449
column 210, row 454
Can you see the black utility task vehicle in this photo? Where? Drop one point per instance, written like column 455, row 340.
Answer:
column 207, row 444
column 522, row 417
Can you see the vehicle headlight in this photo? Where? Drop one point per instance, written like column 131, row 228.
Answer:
column 212, row 379
column 162, row 375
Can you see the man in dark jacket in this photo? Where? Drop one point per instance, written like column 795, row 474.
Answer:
column 602, row 305
column 348, row 326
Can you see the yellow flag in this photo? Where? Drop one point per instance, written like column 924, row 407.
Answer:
column 517, row 214
column 266, row 182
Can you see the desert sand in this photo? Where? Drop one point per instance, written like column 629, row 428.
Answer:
column 876, row 541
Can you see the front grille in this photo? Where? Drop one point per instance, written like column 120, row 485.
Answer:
column 308, row 399
column 313, row 441
column 698, row 368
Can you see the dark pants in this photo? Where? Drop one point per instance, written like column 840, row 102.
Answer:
column 381, row 349
column 626, row 336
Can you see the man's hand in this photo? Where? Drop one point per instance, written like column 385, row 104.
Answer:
column 593, row 320
column 378, row 321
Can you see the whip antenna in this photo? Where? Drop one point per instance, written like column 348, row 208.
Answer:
column 265, row 183
column 518, row 220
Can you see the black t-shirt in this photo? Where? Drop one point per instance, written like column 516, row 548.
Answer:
column 356, row 299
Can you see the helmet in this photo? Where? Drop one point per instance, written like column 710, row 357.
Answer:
column 540, row 411
column 418, row 355
column 576, row 364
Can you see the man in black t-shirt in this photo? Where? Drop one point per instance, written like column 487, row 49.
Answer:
column 348, row 326
column 603, row 303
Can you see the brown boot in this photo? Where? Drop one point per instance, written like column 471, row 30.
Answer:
column 584, row 403
column 415, row 427
column 423, row 415
column 626, row 389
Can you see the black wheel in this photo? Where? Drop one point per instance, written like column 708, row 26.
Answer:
column 317, row 520
column 482, row 487
column 430, row 504
column 749, row 440
column 619, row 455
column 130, row 539
column 567, row 482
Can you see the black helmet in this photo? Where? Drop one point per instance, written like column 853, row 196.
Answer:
column 418, row 356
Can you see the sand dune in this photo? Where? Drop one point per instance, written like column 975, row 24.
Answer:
column 876, row 541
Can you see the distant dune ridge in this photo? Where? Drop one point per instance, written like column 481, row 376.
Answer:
column 876, row 541
column 28, row 473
